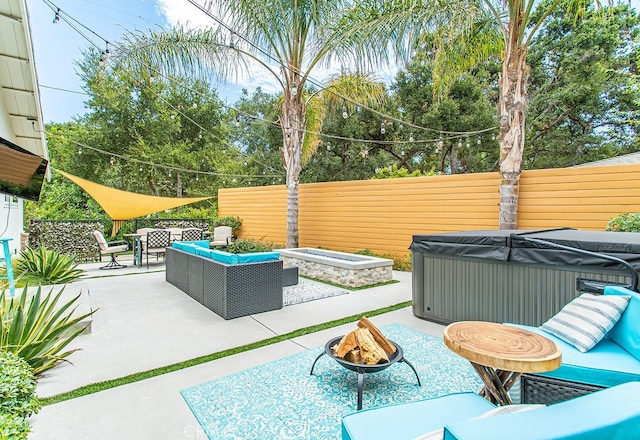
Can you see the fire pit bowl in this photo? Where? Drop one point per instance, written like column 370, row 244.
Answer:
column 364, row 368
column 361, row 369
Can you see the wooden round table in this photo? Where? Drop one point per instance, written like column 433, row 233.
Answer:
column 500, row 354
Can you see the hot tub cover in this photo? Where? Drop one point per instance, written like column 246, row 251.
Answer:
column 512, row 246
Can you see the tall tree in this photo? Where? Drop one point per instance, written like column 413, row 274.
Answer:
column 461, row 33
column 584, row 94
column 295, row 35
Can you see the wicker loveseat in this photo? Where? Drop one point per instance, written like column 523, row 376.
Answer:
column 228, row 284
column 613, row 361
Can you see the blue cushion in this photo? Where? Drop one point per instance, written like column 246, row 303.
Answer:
column 409, row 420
column 201, row 243
column 221, row 256
column 626, row 332
column 257, row 257
column 613, row 413
column 607, row 364
column 185, row 247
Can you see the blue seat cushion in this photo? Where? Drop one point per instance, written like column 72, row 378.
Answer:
column 409, row 420
column 185, row 247
column 219, row 256
column 257, row 257
column 626, row 332
column 607, row 364
column 612, row 414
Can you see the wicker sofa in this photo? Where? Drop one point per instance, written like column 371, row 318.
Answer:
column 613, row 361
column 613, row 413
column 228, row 284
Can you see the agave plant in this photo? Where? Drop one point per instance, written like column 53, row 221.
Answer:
column 42, row 266
column 36, row 329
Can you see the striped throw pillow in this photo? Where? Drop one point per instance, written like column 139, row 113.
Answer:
column 587, row 319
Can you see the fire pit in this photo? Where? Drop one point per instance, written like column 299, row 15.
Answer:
column 361, row 369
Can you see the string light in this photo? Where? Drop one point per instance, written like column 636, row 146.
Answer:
column 410, row 137
column 345, row 115
column 294, row 88
column 112, row 160
column 79, row 150
column 56, row 18
column 383, row 130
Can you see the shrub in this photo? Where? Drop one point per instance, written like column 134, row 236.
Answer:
column 37, row 329
column 42, row 266
column 17, row 396
column 399, row 263
column 624, row 222
column 244, row 246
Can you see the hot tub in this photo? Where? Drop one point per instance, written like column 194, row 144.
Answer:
column 342, row 268
column 501, row 276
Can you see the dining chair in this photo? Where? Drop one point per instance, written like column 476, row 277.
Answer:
column 191, row 234
column 156, row 243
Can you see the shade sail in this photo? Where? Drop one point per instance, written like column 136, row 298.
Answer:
column 123, row 205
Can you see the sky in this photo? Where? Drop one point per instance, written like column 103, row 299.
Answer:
column 58, row 48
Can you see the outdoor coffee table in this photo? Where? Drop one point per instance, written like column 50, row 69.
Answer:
column 500, row 354
column 362, row 369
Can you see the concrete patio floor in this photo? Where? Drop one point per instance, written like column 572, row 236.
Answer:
column 142, row 322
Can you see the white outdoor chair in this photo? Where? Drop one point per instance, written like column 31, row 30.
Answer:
column 222, row 236
column 112, row 248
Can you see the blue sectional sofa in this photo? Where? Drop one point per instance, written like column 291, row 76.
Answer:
column 612, row 414
column 231, row 285
column 613, row 361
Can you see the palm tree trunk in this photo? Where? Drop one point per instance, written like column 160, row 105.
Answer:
column 512, row 106
column 293, row 110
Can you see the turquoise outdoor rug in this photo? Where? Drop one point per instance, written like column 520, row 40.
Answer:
column 281, row 401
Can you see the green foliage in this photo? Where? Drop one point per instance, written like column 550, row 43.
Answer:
column 584, row 95
column 42, row 266
column 13, row 427
column 233, row 222
column 393, row 172
column 399, row 263
column 624, row 222
column 244, row 246
column 37, row 329
column 17, row 386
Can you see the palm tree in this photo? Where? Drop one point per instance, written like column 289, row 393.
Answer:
column 287, row 38
column 463, row 32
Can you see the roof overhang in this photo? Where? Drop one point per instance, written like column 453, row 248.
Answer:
column 18, row 78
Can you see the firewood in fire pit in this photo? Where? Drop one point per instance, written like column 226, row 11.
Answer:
column 383, row 342
column 346, row 344
column 370, row 351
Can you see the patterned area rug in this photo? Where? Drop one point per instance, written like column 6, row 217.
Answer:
column 309, row 290
column 280, row 400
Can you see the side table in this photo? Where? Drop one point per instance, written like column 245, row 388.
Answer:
column 500, row 354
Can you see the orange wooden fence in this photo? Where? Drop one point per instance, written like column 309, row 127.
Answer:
column 383, row 215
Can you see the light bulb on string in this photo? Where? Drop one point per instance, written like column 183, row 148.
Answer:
column 479, row 140
column 383, row 129
column 79, row 150
column 328, row 146
column 140, row 169
column 197, row 178
column 402, row 153
column 440, row 143
column 493, row 137
column 410, row 137
column 294, row 89
column 56, row 18
column 468, row 143
column 195, row 105
column 199, row 135
column 169, row 172
column 173, row 116
column 345, row 115
column 237, row 121
column 112, row 160
column 459, row 143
